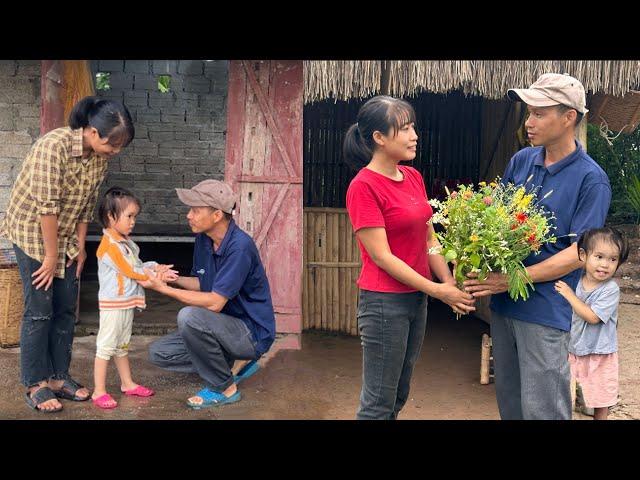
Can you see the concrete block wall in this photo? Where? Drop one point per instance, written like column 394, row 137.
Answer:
column 19, row 121
column 180, row 135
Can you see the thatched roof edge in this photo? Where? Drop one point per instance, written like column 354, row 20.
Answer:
column 342, row 80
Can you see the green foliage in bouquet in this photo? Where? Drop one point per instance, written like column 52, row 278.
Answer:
column 493, row 229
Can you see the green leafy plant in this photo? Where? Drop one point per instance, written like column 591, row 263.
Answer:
column 164, row 83
column 619, row 157
column 102, row 81
column 633, row 191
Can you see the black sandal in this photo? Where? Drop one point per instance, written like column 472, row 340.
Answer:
column 69, row 389
column 43, row 394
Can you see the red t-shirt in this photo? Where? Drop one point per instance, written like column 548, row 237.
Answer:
column 401, row 207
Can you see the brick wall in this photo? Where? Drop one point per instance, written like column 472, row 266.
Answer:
column 180, row 135
column 19, row 121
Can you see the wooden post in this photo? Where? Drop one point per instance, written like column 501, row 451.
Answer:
column 581, row 132
column 385, row 76
column 485, row 359
column 52, row 95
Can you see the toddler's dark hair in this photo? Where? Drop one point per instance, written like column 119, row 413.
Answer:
column 610, row 235
column 113, row 203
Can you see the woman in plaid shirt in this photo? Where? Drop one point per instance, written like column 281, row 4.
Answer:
column 50, row 207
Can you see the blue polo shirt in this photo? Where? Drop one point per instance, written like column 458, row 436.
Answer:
column 580, row 201
column 235, row 271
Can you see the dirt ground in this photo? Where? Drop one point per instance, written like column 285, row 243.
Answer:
column 628, row 277
column 321, row 381
column 629, row 357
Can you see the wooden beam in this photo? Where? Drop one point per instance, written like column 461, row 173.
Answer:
column 268, row 179
column 272, row 214
column 385, row 75
column 324, row 210
column 485, row 359
column 334, row 264
column 581, row 132
column 52, row 95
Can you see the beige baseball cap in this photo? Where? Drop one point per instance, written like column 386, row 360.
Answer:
column 209, row 193
column 552, row 89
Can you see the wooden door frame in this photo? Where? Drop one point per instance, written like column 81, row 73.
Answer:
column 243, row 82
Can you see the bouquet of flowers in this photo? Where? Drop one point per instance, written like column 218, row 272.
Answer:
column 492, row 229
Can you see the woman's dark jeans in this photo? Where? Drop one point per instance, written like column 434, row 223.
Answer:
column 392, row 328
column 46, row 333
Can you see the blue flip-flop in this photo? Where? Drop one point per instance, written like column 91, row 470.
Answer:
column 246, row 371
column 213, row 399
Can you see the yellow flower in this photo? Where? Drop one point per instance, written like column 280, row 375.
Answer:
column 483, row 184
column 518, row 196
column 524, row 203
column 445, row 212
column 474, row 238
column 493, row 184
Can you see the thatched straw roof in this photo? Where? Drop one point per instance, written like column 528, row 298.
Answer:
column 341, row 79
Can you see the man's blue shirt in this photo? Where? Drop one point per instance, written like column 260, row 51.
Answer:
column 580, row 201
column 235, row 271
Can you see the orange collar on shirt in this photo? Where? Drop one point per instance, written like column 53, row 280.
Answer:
column 114, row 235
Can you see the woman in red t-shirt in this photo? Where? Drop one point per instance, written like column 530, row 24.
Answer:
column 389, row 211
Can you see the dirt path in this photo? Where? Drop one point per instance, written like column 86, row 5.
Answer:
column 321, row 381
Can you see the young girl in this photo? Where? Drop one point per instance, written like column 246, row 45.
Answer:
column 593, row 346
column 389, row 211
column 119, row 268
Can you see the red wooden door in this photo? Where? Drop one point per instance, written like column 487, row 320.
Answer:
column 264, row 165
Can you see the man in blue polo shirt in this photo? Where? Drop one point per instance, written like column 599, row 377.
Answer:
column 231, row 315
column 530, row 338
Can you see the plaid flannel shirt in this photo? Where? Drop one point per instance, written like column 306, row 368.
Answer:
column 54, row 180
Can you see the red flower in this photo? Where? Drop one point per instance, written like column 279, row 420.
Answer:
column 532, row 238
column 521, row 218
column 487, row 201
column 454, row 194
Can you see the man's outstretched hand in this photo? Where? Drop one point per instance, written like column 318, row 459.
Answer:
column 153, row 283
column 166, row 274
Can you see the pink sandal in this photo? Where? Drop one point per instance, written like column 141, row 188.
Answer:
column 139, row 391
column 105, row 401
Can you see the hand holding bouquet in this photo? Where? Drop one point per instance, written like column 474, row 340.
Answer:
column 492, row 229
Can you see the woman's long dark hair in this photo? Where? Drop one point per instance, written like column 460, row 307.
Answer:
column 111, row 119
column 381, row 113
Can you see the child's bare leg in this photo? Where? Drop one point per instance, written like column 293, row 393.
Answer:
column 99, row 377
column 600, row 413
column 124, row 370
